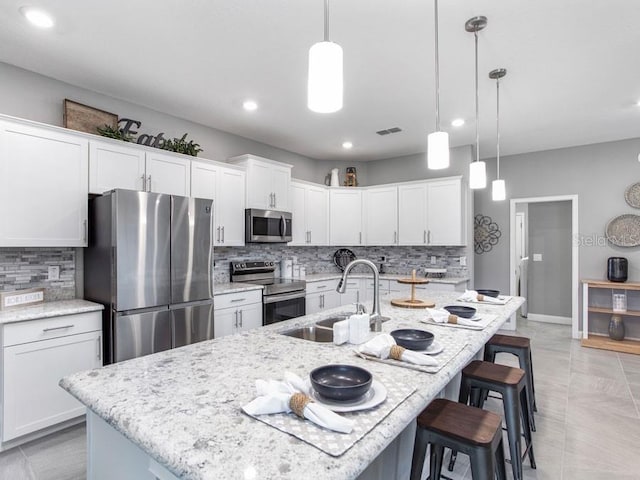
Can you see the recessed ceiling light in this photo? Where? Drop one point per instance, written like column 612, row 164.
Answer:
column 347, row 145
column 249, row 105
column 39, row 18
column 458, row 122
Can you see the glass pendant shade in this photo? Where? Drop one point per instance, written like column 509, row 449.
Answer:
column 325, row 78
column 498, row 190
column 477, row 175
column 438, row 150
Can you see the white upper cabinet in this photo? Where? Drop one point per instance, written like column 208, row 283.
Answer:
column 43, row 187
column 445, row 212
column 345, row 216
column 115, row 166
column 268, row 182
column 309, row 207
column 432, row 212
column 412, row 214
column 225, row 186
column 381, row 215
column 168, row 174
column 131, row 167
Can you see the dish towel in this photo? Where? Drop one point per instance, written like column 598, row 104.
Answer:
column 473, row 296
column 440, row 315
column 290, row 395
column 384, row 346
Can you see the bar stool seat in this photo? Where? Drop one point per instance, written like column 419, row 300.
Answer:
column 521, row 348
column 475, row 432
column 509, row 382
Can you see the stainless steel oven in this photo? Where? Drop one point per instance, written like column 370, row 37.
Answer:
column 267, row 226
column 282, row 298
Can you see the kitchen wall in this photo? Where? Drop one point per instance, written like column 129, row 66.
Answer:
column 598, row 174
column 550, row 279
column 320, row 259
column 22, row 268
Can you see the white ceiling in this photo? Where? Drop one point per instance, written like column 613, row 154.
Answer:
column 573, row 67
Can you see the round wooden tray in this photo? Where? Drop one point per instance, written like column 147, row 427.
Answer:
column 412, row 303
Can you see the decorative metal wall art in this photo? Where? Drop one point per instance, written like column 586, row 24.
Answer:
column 486, row 233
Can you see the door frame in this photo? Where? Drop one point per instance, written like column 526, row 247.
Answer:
column 575, row 254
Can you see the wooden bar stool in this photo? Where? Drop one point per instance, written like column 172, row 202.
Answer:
column 521, row 348
column 470, row 430
column 510, row 383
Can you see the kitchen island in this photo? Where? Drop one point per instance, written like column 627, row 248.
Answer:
column 177, row 414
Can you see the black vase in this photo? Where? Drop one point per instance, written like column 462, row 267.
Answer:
column 617, row 268
column 616, row 327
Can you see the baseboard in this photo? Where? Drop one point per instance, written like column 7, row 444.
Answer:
column 539, row 317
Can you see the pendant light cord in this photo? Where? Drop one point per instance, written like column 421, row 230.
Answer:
column 498, row 128
column 326, row 20
column 475, row 35
column 437, row 70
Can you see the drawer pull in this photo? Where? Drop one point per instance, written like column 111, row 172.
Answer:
column 320, row 287
column 50, row 329
column 99, row 347
column 236, row 300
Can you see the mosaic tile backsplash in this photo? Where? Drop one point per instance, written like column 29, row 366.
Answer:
column 22, row 268
column 320, row 259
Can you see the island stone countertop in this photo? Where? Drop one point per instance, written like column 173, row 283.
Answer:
column 48, row 310
column 182, row 407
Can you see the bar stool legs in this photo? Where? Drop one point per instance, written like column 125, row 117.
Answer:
column 470, row 430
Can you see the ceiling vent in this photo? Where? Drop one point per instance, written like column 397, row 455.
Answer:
column 389, row 130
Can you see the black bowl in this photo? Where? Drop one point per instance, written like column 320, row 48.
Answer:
column 461, row 311
column 412, row 339
column 489, row 293
column 341, row 382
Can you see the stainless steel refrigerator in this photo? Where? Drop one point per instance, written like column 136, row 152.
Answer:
column 150, row 263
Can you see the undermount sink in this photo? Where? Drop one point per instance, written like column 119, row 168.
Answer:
column 313, row 333
column 328, row 322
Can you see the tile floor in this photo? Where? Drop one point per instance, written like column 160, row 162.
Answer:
column 588, row 419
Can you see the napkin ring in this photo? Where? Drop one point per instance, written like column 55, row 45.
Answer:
column 480, row 298
column 452, row 319
column 298, row 402
column 396, row 352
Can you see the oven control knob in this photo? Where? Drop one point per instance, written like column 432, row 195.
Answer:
column 271, row 264
column 243, row 265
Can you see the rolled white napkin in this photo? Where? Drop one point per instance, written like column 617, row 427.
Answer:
column 473, row 296
column 440, row 315
column 380, row 346
column 275, row 396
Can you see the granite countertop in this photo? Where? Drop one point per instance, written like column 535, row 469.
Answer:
column 182, row 406
column 318, row 277
column 234, row 287
column 47, row 310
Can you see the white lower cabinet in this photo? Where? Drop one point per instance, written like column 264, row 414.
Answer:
column 321, row 296
column 236, row 312
column 35, row 356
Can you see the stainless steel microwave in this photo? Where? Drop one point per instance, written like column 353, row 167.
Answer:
column 267, row 226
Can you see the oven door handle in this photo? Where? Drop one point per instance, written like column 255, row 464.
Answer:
column 283, row 297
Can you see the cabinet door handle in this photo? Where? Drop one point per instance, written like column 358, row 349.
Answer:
column 235, row 314
column 425, row 237
column 240, row 318
column 309, row 236
column 275, row 201
column 395, row 237
column 85, row 233
column 236, row 300
column 360, row 237
column 144, row 182
column 322, row 301
column 222, row 234
column 429, row 236
column 218, row 234
column 357, row 296
column 99, row 347
column 149, row 183
column 51, row 329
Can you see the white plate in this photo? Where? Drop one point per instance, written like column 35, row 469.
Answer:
column 434, row 349
column 374, row 397
column 475, row 318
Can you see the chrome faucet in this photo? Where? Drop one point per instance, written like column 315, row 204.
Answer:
column 376, row 317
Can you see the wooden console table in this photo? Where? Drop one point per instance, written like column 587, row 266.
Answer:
column 599, row 340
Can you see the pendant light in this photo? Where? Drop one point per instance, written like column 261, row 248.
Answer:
column 438, row 141
column 498, row 189
column 324, row 88
column 477, row 169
